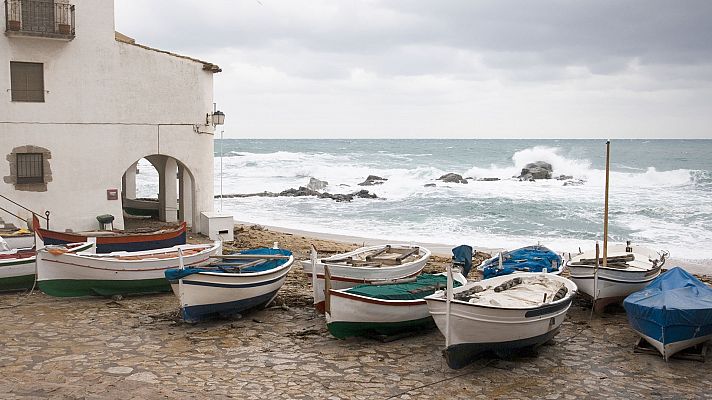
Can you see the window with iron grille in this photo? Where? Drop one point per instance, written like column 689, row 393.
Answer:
column 30, row 168
column 27, row 81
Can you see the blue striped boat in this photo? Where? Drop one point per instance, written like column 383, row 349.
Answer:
column 235, row 284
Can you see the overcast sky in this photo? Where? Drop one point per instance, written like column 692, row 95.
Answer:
column 450, row 69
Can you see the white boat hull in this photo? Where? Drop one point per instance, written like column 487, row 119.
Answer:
column 474, row 329
column 83, row 274
column 351, row 314
column 668, row 350
column 209, row 293
column 615, row 284
column 344, row 277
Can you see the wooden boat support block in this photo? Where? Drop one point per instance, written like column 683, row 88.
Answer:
column 251, row 256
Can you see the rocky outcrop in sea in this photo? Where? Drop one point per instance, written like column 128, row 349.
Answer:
column 536, row 170
column 452, row 178
column 373, row 180
column 304, row 191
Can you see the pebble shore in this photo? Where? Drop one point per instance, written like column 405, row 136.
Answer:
column 137, row 348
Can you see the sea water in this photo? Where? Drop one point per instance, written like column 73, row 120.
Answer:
column 660, row 190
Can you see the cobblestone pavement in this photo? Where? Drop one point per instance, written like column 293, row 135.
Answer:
column 135, row 348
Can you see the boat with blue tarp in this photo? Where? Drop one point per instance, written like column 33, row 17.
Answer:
column 535, row 258
column 233, row 284
column 673, row 312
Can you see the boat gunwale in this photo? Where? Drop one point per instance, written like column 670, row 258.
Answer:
column 112, row 257
column 439, row 296
column 274, row 270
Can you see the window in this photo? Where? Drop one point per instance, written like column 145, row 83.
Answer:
column 27, row 81
column 30, row 168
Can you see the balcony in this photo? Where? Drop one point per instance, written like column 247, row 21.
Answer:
column 39, row 18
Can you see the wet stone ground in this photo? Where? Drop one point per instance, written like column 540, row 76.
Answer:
column 135, row 348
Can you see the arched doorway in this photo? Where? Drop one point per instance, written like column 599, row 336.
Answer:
column 166, row 178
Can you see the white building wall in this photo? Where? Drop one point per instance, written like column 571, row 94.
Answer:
column 107, row 105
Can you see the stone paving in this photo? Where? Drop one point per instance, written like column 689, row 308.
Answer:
column 135, row 348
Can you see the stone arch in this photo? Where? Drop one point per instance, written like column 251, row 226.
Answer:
column 176, row 189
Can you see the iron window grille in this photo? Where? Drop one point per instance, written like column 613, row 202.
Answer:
column 30, row 168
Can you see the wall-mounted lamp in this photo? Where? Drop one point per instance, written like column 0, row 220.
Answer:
column 215, row 119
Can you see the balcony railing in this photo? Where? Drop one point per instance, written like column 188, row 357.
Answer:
column 43, row 18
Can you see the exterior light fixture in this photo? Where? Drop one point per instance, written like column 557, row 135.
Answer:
column 215, row 119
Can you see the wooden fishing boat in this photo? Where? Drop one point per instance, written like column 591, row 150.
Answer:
column 535, row 258
column 112, row 241
column 236, row 283
column 17, row 266
column 672, row 313
column 384, row 309
column 628, row 269
column 64, row 274
column 18, row 239
column 365, row 265
column 500, row 315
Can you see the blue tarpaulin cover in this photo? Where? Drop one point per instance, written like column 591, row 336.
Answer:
column 675, row 300
column 228, row 265
column 527, row 259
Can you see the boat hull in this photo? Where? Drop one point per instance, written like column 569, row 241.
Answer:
column 74, row 275
column 344, row 277
column 118, row 242
column 353, row 315
column 17, row 274
column 475, row 329
column 667, row 350
column 613, row 285
column 460, row 355
column 205, row 295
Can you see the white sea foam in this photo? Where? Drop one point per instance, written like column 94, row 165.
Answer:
column 663, row 208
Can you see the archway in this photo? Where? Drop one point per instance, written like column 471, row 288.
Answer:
column 174, row 190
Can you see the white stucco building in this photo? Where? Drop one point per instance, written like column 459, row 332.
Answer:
column 80, row 104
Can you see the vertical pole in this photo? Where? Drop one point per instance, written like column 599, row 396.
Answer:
column 181, row 263
column 605, row 207
column 327, row 289
column 221, row 170
column 448, row 305
column 313, row 259
column 595, row 275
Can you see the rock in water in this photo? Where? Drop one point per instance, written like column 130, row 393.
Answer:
column 373, row 180
column 454, row 178
column 537, row 170
column 429, row 185
column 316, row 184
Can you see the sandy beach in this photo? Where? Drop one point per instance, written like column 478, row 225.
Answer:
column 701, row 267
column 137, row 348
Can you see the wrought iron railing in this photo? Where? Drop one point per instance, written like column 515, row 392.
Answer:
column 40, row 18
